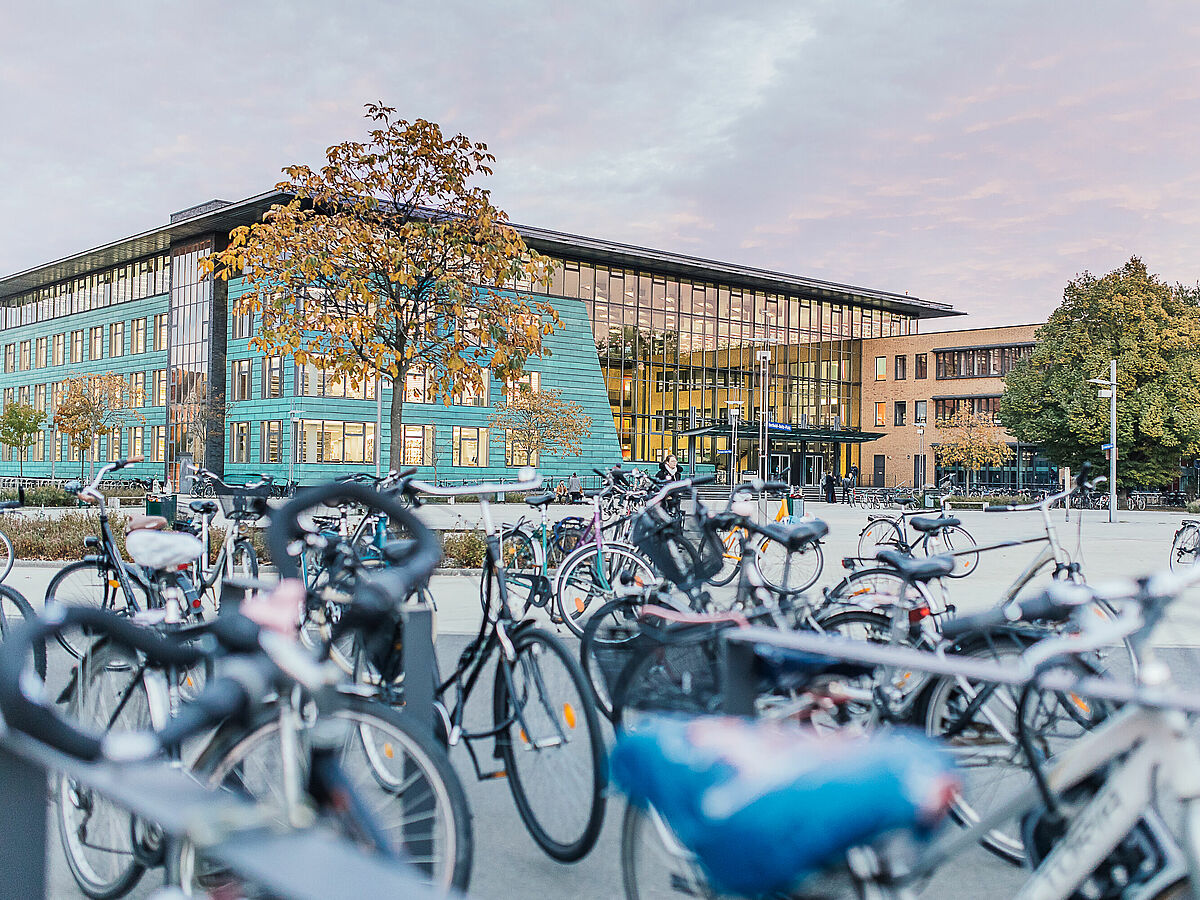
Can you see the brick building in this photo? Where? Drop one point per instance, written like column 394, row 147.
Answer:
column 912, row 382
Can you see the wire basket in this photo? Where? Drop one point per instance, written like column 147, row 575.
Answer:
column 674, row 668
column 242, row 503
column 684, row 549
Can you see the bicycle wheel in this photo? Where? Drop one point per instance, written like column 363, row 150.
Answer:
column 978, row 722
column 953, row 539
column 882, row 534
column 397, row 771
column 86, row 584
column 98, row 836
column 654, row 864
column 522, row 573
column 789, row 571
column 245, row 559
column 871, row 588
column 874, row 628
column 1185, row 547
column 588, row 578
column 606, row 647
column 15, row 610
column 549, row 738
column 565, row 539
column 731, row 562
column 6, row 556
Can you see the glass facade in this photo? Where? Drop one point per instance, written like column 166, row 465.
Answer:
column 132, row 281
column 187, row 342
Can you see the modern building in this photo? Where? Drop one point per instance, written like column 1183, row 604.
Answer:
column 915, row 383
column 657, row 347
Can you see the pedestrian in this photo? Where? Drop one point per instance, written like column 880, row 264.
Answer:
column 668, row 469
column 830, row 485
column 575, row 488
column 847, row 485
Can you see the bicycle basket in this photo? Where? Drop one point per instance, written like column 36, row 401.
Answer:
column 684, row 549
column 243, row 503
column 674, row 668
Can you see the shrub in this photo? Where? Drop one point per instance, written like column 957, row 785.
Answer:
column 464, row 549
column 60, row 537
column 1194, row 507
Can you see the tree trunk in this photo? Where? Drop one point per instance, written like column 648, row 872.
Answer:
column 396, row 438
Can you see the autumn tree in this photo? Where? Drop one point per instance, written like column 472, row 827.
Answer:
column 20, row 424
column 389, row 260
column 204, row 417
column 537, row 422
column 1152, row 330
column 94, row 405
column 971, row 440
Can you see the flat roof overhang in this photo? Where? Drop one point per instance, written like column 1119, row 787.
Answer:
column 787, row 433
column 224, row 218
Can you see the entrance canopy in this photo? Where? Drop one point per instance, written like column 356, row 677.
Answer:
column 777, row 431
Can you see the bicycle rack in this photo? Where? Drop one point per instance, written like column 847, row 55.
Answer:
column 310, row 864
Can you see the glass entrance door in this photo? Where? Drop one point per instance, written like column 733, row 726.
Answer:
column 814, row 469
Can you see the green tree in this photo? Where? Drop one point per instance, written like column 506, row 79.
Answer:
column 387, row 260
column 1153, row 332
column 94, row 405
column 20, row 424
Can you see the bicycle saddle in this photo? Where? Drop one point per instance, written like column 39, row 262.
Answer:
column 145, row 523
column 540, row 499
column 203, row 507
column 796, row 535
column 162, row 550
column 917, row 568
column 762, row 803
column 933, row 523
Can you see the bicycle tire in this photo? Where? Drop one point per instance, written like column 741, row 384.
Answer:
column 522, row 573
column 227, row 753
column 593, row 646
column 6, row 548
column 881, row 533
column 731, row 562
column 245, row 559
column 85, row 583
column 586, row 583
column 952, row 539
column 673, row 868
column 871, row 588
column 90, row 706
column 1185, row 547
column 528, row 670
column 11, row 597
column 789, row 571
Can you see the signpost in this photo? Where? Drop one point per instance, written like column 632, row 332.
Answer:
column 1108, row 389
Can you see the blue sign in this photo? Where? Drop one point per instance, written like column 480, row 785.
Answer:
column 1106, row 446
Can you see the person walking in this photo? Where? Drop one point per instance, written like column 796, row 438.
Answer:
column 830, row 485
column 847, row 485
column 575, row 488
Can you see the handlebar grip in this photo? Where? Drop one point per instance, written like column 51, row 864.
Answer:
column 1044, row 606
column 959, row 626
column 1006, row 508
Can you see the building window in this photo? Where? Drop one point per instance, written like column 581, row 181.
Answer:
column 880, row 368
column 418, row 445
column 160, row 387
column 529, row 383
column 116, row 339
column 158, row 445
column 23, row 395
column 900, row 413
column 901, row 368
column 37, row 450
column 336, row 442
column 880, row 413
column 270, row 445
column 10, row 397
column 113, row 439
column 57, row 349
column 137, row 336
column 39, row 397
column 272, row 377
column 470, row 446
column 137, row 388
column 921, row 364
column 517, row 456
column 312, row 381
column 39, row 353
column 470, row 396
column 416, row 388
column 136, row 438
column 241, row 321
column 242, row 377
column 77, row 346
column 96, row 343
column 10, row 357
column 980, row 362
column 239, row 442
column 919, row 411
column 160, row 331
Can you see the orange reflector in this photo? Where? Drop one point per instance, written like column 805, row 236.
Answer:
column 113, row 583
column 389, row 751
column 1081, row 703
column 579, row 607
column 917, row 614
column 521, row 732
column 569, row 714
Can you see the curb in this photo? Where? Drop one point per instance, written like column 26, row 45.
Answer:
column 59, row 563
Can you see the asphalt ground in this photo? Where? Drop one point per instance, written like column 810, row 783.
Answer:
column 508, row 864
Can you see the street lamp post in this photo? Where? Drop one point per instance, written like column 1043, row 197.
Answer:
column 295, row 418
column 764, row 414
column 51, row 447
column 734, row 415
column 378, row 421
column 920, row 473
column 1108, row 388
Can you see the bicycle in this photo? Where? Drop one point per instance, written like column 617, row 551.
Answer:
column 1185, row 545
column 786, row 571
column 14, row 607
column 237, row 556
column 542, row 714
column 939, row 534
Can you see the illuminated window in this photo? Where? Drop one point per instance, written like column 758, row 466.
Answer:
column 880, row 368
column 880, row 412
column 470, row 447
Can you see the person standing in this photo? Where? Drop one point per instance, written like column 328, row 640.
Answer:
column 668, row 469
column 830, row 485
column 575, row 488
column 847, row 485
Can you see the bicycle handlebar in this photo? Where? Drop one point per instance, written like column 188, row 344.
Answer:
column 528, row 480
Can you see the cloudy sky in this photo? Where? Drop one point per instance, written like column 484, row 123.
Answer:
column 979, row 154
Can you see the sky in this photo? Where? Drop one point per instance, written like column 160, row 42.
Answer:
column 977, row 154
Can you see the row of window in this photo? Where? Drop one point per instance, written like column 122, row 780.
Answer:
column 109, row 446
column 353, row 443
column 48, row 397
column 132, row 281
column 900, row 371
column 943, row 410
column 988, row 362
column 81, row 345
